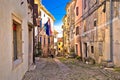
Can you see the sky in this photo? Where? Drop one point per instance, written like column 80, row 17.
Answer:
column 57, row 9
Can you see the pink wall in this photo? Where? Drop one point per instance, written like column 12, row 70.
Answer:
column 78, row 4
column 77, row 23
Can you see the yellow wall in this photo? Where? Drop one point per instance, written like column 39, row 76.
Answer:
column 60, row 45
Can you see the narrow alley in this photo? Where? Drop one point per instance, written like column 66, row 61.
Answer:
column 69, row 69
column 60, row 40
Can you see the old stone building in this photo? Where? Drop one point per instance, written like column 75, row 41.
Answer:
column 16, row 48
column 60, row 47
column 100, row 28
column 65, row 35
column 47, row 42
column 78, row 26
column 89, row 21
column 70, row 15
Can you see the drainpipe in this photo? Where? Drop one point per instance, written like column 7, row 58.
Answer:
column 33, row 34
column 111, row 31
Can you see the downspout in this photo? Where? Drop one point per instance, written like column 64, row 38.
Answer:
column 33, row 34
column 111, row 31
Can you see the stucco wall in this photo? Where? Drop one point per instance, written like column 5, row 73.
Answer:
column 7, row 7
column 45, row 46
column 116, row 42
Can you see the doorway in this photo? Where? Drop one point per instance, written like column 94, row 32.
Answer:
column 30, row 47
column 85, row 49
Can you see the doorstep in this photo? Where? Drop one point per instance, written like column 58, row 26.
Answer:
column 32, row 67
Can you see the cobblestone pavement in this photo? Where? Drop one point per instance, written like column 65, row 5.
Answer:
column 53, row 69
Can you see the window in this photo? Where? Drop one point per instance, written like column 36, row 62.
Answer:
column 17, row 41
column 84, row 4
column 104, row 7
column 16, row 27
column 77, row 11
column 48, row 40
column 95, row 22
column 40, row 13
column 76, row 49
column 59, row 48
column 44, row 15
column 92, row 49
column 77, row 30
column 84, row 24
column 59, row 43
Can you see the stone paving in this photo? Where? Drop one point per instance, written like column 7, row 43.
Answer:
column 53, row 69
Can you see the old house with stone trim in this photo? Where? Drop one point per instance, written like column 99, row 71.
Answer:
column 100, row 39
column 47, row 42
column 16, row 48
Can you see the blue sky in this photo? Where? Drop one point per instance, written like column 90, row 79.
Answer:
column 57, row 9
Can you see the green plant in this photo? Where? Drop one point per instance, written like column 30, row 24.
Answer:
column 91, row 60
column 62, row 59
column 79, row 58
column 72, row 49
column 117, row 69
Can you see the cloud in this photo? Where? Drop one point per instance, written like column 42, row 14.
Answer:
column 59, row 29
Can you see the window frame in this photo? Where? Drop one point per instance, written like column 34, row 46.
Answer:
column 16, row 20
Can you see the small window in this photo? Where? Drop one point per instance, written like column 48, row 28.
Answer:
column 59, row 43
column 59, row 48
column 44, row 15
column 104, row 7
column 84, row 4
column 77, row 30
column 76, row 49
column 77, row 11
column 40, row 13
column 68, row 24
column 48, row 40
column 92, row 49
column 95, row 23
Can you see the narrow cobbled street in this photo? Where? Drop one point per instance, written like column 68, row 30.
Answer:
column 68, row 69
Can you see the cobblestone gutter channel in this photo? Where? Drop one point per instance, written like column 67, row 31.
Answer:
column 96, row 72
column 110, row 74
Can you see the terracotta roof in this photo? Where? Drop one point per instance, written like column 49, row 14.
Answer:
column 60, row 40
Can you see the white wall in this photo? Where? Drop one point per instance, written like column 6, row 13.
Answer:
column 45, row 19
column 7, row 7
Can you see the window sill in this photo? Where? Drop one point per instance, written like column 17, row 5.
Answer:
column 16, row 63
